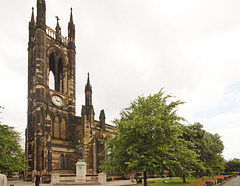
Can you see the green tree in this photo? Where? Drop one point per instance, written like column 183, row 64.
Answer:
column 209, row 148
column 11, row 154
column 147, row 138
column 232, row 165
column 185, row 161
column 211, row 156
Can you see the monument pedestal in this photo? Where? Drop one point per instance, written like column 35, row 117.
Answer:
column 81, row 169
column 102, row 178
column 54, row 178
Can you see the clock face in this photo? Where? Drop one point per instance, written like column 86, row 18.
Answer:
column 57, row 100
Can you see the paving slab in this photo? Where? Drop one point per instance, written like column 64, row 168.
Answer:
column 233, row 182
column 111, row 183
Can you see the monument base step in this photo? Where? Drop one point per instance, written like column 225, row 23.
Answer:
column 74, row 183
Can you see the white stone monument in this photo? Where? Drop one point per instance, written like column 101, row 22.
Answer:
column 54, row 178
column 102, row 178
column 81, row 169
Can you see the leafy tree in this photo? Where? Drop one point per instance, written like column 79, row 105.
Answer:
column 211, row 155
column 209, row 148
column 147, row 138
column 232, row 165
column 11, row 154
column 185, row 162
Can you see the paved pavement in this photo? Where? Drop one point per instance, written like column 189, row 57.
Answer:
column 233, row 182
column 111, row 183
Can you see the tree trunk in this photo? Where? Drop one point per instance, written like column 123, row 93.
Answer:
column 184, row 179
column 145, row 177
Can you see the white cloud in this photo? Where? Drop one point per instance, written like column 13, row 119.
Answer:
column 137, row 47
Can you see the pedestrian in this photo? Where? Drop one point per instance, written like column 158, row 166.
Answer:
column 3, row 180
column 37, row 179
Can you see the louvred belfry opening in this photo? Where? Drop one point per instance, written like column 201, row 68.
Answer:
column 56, row 69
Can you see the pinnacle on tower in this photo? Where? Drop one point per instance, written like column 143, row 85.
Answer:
column 32, row 18
column 102, row 115
column 58, row 30
column 71, row 17
column 102, row 119
column 41, row 14
column 88, row 86
column 31, row 28
column 71, row 32
column 88, row 93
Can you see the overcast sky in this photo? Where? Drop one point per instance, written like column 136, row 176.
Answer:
column 136, row 47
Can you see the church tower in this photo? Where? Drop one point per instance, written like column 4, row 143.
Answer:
column 51, row 110
column 54, row 132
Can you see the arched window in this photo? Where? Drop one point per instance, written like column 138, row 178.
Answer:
column 51, row 81
column 40, row 124
column 52, row 71
column 60, row 75
column 65, row 162
column 63, row 129
column 42, row 156
column 56, row 72
column 56, row 128
column 49, row 160
column 69, row 162
column 62, row 161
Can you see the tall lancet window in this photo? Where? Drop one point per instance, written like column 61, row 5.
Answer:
column 51, row 81
column 56, row 76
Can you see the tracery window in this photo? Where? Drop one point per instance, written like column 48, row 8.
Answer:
column 56, row 76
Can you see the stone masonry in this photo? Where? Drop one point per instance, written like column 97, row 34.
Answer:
column 54, row 132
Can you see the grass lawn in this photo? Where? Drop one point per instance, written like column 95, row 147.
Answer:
column 175, row 182
column 12, row 179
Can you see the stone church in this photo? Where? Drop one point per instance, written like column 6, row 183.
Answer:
column 54, row 132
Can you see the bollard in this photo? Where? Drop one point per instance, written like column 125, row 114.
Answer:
column 209, row 183
column 219, row 180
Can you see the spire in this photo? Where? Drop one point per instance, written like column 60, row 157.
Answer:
column 31, row 29
column 71, row 17
column 32, row 18
column 88, row 86
column 71, row 32
column 88, row 93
